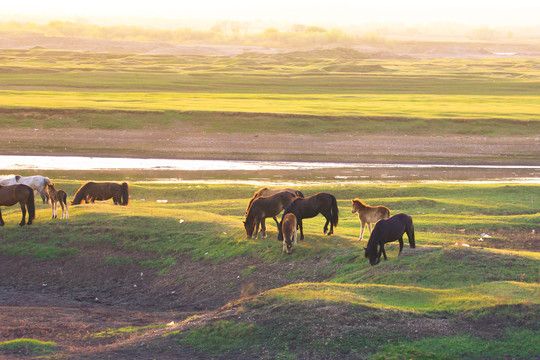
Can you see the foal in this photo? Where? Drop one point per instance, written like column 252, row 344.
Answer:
column 57, row 196
column 288, row 227
column 368, row 214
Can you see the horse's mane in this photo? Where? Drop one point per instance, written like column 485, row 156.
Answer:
column 360, row 202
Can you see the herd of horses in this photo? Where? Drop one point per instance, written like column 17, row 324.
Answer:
column 20, row 189
column 265, row 203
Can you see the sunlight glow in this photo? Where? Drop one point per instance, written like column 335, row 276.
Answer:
column 336, row 12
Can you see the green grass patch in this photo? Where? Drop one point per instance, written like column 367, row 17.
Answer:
column 516, row 344
column 222, row 337
column 28, row 347
column 135, row 330
column 457, row 266
column 409, row 298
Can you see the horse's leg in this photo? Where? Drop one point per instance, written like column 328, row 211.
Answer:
column 263, row 228
column 362, row 231
column 369, row 228
column 257, row 222
column 23, row 209
column 67, row 211
column 381, row 251
column 301, row 226
column 1, row 220
column 43, row 197
column 329, row 220
column 62, row 205
column 400, row 244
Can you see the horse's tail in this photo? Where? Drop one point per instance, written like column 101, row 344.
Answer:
column 335, row 211
column 410, row 234
column 125, row 193
column 64, row 198
column 31, row 206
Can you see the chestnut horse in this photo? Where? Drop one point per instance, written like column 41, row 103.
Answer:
column 386, row 231
column 22, row 194
column 289, row 227
column 304, row 208
column 264, row 207
column 92, row 191
column 268, row 192
column 368, row 214
column 57, row 196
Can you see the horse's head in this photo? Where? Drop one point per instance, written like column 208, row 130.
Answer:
column 250, row 228
column 287, row 245
column 371, row 255
column 354, row 206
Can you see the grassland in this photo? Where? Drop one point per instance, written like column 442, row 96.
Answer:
column 323, row 301
column 341, row 84
column 107, row 282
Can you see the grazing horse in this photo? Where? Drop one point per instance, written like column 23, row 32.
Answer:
column 36, row 182
column 368, row 214
column 57, row 196
column 264, row 207
column 290, row 235
column 387, row 231
column 92, row 191
column 305, row 208
column 22, row 194
column 268, row 192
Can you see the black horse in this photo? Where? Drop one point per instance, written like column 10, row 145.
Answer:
column 304, row 208
column 386, row 231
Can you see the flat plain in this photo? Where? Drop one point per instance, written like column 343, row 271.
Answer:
column 172, row 275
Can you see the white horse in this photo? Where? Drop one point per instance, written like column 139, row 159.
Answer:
column 36, row 182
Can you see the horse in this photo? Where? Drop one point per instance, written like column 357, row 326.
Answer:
column 57, row 196
column 264, row 207
column 92, row 191
column 268, row 192
column 289, row 227
column 368, row 214
column 22, row 194
column 386, row 231
column 304, row 208
column 36, row 182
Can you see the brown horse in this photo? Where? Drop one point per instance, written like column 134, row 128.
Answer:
column 305, row 208
column 264, row 207
column 368, row 214
column 288, row 227
column 22, row 194
column 92, row 191
column 388, row 230
column 268, row 192
column 57, row 196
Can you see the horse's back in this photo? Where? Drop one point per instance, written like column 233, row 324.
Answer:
column 271, row 205
column 12, row 194
column 393, row 227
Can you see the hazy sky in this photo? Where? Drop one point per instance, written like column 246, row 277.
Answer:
column 340, row 12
